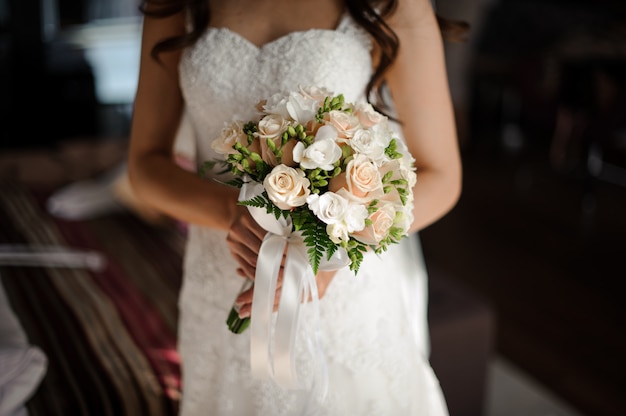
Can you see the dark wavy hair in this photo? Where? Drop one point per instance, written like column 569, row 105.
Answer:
column 369, row 14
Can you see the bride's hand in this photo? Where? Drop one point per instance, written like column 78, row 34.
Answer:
column 244, row 241
column 244, row 300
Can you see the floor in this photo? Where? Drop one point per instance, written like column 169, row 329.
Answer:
column 512, row 392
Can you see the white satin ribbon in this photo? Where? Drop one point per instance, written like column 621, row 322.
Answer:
column 278, row 363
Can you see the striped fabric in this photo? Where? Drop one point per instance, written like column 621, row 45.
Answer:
column 110, row 336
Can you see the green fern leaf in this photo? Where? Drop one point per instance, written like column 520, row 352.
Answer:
column 259, row 201
column 316, row 239
column 330, row 250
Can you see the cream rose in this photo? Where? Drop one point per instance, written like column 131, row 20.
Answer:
column 318, row 94
column 345, row 123
column 367, row 115
column 231, row 133
column 361, row 179
column 382, row 220
column 271, row 126
column 287, row 187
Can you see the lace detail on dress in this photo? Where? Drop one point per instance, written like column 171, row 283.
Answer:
column 215, row 93
column 375, row 366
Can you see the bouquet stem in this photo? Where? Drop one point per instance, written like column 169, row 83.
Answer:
column 237, row 325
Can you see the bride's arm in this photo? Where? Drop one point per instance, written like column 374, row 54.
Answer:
column 419, row 87
column 155, row 177
column 156, row 116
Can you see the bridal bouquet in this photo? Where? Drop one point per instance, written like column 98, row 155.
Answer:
column 332, row 169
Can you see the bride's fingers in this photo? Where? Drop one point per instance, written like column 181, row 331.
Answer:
column 247, row 231
column 245, row 266
column 258, row 231
column 244, row 300
column 244, row 310
column 244, row 297
column 238, row 248
column 277, row 299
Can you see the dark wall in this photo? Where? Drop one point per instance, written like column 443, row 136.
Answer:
column 43, row 79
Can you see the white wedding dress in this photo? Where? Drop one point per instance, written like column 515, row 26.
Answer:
column 373, row 326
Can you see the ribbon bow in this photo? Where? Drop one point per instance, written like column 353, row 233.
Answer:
column 298, row 284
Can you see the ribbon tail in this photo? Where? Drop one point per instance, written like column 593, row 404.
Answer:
column 266, row 276
column 314, row 344
column 296, row 268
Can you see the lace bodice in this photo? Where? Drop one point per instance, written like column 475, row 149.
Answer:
column 224, row 75
column 375, row 365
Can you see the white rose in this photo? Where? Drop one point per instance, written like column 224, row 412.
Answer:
column 367, row 142
column 328, row 207
column 301, row 108
column 320, row 154
column 356, row 214
column 287, row 187
column 409, row 174
column 404, row 217
column 367, row 115
column 345, row 123
column 406, row 162
column 337, row 232
column 272, row 125
column 231, row 133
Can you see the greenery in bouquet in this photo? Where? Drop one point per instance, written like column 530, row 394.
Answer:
column 334, row 168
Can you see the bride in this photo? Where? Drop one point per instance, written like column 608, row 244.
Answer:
column 214, row 60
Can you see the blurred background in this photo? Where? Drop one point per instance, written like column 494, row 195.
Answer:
column 537, row 240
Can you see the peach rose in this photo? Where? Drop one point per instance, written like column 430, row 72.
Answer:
column 318, row 94
column 361, row 179
column 231, row 133
column 382, row 220
column 271, row 126
column 345, row 123
column 367, row 115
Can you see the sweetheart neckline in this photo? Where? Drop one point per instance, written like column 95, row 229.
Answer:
column 273, row 42
column 344, row 17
